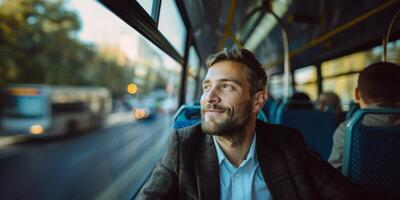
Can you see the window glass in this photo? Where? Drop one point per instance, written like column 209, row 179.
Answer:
column 351, row 63
column 276, row 86
column 194, row 62
column 193, row 71
column 190, row 90
column 393, row 51
column 146, row 5
column 120, row 92
column 306, row 79
column 343, row 86
column 171, row 25
column 25, row 106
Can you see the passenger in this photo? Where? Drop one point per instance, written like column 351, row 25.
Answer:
column 300, row 100
column 300, row 96
column 377, row 88
column 231, row 155
column 330, row 101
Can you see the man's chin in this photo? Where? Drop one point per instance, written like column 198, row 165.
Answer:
column 215, row 128
column 209, row 127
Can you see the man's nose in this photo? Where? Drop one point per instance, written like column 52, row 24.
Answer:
column 212, row 96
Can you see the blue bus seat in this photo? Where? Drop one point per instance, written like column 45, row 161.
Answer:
column 269, row 109
column 353, row 107
column 317, row 127
column 188, row 115
column 372, row 153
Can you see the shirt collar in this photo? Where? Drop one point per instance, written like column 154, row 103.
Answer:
column 221, row 155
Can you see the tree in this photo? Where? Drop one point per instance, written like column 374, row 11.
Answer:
column 39, row 44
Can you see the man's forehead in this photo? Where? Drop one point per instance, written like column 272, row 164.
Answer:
column 226, row 70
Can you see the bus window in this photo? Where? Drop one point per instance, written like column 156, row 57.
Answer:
column 276, row 86
column 25, row 106
column 193, row 72
column 306, row 81
column 171, row 25
column 340, row 75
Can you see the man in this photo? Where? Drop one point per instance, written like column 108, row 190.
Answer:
column 377, row 88
column 232, row 155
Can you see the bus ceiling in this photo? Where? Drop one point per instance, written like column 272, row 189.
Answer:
column 317, row 30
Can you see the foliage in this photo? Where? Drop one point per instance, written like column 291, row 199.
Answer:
column 39, row 44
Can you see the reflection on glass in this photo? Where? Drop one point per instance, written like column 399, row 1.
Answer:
column 171, row 25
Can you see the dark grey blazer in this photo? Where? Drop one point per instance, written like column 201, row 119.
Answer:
column 189, row 168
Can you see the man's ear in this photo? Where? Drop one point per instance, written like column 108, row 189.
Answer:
column 259, row 101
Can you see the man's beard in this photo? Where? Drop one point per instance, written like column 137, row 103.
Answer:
column 233, row 126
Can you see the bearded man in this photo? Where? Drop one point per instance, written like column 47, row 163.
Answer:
column 232, row 155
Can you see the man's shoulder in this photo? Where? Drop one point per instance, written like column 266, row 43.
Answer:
column 275, row 128
column 277, row 132
column 189, row 132
column 192, row 138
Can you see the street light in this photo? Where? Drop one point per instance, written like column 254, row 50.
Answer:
column 132, row 88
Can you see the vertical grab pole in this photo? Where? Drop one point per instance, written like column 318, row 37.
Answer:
column 386, row 37
column 286, row 61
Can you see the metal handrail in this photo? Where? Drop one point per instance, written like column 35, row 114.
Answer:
column 387, row 35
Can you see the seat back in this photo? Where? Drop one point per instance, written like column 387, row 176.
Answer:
column 317, row 127
column 187, row 115
column 269, row 109
column 372, row 152
column 353, row 107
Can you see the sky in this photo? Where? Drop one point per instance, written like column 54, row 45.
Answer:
column 102, row 27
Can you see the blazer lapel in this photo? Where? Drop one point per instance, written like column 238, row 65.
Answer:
column 207, row 170
column 273, row 164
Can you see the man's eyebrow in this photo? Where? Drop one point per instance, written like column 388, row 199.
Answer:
column 231, row 80
column 225, row 80
column 205, row 81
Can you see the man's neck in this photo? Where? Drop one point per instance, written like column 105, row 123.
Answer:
column 236, row 149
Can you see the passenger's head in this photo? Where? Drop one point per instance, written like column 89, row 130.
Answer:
column 379, row 83
column 300, row 100
column 329, row 100
column 300, row 96
column 233, row 92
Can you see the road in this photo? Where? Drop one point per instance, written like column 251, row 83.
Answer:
column 111, row 163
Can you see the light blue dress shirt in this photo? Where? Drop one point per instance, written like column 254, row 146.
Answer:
column 243, row 182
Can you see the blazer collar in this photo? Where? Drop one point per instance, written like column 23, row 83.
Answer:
column 271, row 160
column 207, row 169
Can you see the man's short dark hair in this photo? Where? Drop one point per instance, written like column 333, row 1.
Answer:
column 256, row 75
column 379, row 82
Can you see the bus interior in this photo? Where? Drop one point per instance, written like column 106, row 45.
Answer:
column 139, row 64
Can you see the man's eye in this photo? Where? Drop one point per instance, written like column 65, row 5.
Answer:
column 206, row 87
column 228, row 87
